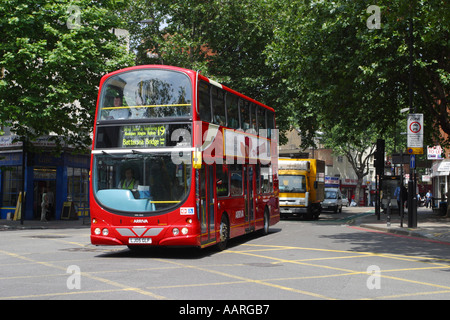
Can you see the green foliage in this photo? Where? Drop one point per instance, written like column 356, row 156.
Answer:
column 52, row 55
column 315, row 62
column 336, row 71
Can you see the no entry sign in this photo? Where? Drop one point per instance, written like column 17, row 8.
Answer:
column 415, row 133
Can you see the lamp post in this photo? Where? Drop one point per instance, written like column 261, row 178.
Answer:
column 412, row 199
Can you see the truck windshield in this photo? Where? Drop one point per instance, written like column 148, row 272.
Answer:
column 139, row 182
column 292, row 183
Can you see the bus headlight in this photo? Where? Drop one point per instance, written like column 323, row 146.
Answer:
column 184, row 230
column 97, row 231
column 105, row 232
column 175, row 231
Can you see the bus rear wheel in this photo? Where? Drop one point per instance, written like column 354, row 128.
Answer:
column 265, row 230
column 223, row 233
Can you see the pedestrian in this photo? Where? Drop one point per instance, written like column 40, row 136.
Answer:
column 397, row 195
column 428, row 198
column 44, row 206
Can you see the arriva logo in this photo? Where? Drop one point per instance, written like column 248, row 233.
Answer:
column 140, row 221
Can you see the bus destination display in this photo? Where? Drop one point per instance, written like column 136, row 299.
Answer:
column 144, row 136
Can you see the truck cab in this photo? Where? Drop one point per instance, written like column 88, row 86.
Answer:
column 301, row 185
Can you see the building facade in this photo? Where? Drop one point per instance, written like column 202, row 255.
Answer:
column 64, row 178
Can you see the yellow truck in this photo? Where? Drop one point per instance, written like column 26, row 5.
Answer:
column 302, row 185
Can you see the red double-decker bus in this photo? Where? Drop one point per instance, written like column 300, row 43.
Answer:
column 180, row 160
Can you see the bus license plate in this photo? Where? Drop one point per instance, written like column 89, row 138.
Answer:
column 139, row 240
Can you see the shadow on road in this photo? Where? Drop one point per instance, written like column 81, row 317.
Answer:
column 387, row 243
column 187, row 253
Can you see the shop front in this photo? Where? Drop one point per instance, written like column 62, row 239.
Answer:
column 348, row 188
column 440, row 174
column 63, row 179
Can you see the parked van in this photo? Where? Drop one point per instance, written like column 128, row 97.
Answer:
column 333, row 200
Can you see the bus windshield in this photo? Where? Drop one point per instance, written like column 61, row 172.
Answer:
column 292, row 183
column 145, row 93
column 139, row 182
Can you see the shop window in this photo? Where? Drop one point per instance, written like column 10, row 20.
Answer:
column 12, row 185
column 78, row 188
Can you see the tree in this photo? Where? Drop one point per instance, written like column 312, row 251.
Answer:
column 224, row 39
column 356, row 147
column 52, row 54
column 333, row 66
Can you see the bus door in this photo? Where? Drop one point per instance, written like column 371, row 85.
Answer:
column 249, row 197
column 207, row 204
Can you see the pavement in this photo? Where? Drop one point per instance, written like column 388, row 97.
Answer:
column 51, row 224
column 430, row 224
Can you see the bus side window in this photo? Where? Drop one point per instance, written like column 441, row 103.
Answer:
column 232, row 111
column 266, row 176
column 236, row 179
column 258, row 179
column 261, row 114
column 221, row 180
column 253, row 108
column 245, row 114
column 218, row 106
column 204, row 101
column 270, row 123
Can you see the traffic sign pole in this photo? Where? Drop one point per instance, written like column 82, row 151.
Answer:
column 415, row 135
column 412, row 161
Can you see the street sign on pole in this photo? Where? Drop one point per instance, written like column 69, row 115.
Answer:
column 412, row 161
column 415, row 133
